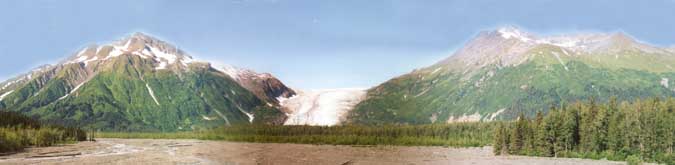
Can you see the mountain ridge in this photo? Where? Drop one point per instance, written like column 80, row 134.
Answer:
column 122, row 85
column 503, row 72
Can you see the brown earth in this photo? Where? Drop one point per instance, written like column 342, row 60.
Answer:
column 148, row 151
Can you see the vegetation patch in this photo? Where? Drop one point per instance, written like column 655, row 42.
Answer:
column 18, row 132
column 643, row 130
column 457, row 135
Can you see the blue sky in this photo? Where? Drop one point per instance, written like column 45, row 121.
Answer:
column 310, row 44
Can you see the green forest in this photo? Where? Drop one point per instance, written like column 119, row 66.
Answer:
column 642, row 130
column 18, row 132
column 457, row 135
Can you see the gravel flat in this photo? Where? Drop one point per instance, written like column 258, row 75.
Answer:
column 149, row 151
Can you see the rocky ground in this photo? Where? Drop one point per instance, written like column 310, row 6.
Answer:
column 149, row 151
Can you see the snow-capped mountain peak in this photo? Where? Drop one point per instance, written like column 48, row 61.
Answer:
column 264, row 85
column 509, row 46
column 162, row 53
column 571, row 41
column 513, row 32
column 240, row 73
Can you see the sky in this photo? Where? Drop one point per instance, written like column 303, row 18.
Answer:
column 310, row 44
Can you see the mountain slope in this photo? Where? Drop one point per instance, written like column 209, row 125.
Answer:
column 137, row 83
column 504, row 72
column 263, row 85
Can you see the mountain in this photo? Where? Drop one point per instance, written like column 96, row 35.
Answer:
column 142, row 83
column 326, row 107
column 263, row 85
column 504, row 72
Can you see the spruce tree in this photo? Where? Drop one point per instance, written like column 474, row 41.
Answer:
column 518, row 135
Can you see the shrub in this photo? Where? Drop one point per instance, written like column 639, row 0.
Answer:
column 633, row 160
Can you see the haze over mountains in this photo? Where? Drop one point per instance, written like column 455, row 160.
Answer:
column 142, row 83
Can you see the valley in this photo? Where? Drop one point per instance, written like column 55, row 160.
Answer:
column 162, row 151
column 503, row 89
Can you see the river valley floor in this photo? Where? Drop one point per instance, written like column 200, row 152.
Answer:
column 154, row 151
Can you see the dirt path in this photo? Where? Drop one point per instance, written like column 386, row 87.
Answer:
column 147, row 151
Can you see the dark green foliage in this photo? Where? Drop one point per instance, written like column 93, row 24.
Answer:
column 10, row 119
column 633, row 160
column 501, row 139
column 18, row 132
column 460, row 134
column 641, row 130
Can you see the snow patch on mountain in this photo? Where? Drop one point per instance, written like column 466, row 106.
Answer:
column 24, row 78
column 321, row 107
column 576, row 42
column 238, row 74
column 63, row 97
column 81, row 59
column 249, row 115
column 565, row 52
column 152, row 93
column 465, row 118
column 227, row 122
column 72, row 91
column 5, row 95
column 231, row 71
column 560, row 41
column 140, row 45
column 159, row 55
column 86, row 62
column 495, row 114
column 162, row 65
column 118, row 50
column 436, row 70
column 511, row 32
column 187, row 60
column 77, row 87
column 560, row 60
column 208, row 118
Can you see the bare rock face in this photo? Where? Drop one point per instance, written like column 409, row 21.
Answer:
column 263, row 85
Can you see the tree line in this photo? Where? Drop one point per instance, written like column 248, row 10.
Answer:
column 18, row 131
column 638, row 130
column 458, row 134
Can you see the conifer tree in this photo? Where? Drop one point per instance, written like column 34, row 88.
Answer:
column 517, row 137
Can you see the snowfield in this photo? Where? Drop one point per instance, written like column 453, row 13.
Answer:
column 162, row 53
column 5, row 95
column 321, row 107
